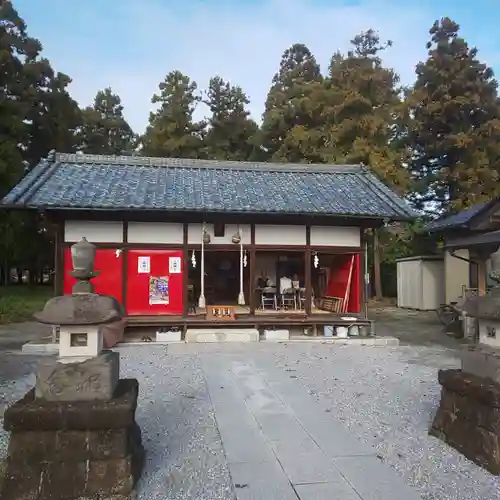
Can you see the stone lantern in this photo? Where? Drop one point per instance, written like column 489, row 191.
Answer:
column 468, row 417
column 74, row 434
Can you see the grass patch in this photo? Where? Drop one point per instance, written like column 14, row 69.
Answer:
column 19, row 302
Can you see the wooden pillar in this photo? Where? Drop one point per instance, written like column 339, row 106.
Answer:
column 251, row 279
column 363, row 285
column 59, row 249
column 307, row 263
column 481, row 276
column 185, row 272
column 125, row 265
column 251, row 284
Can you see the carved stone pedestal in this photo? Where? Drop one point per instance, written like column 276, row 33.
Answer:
column 73, row 450
column 468, row 418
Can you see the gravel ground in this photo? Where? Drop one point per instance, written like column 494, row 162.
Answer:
column 386, row 396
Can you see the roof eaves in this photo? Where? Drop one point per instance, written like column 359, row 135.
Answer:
column 214, row 211
column 460, row 220
column 373, row 183
column 31, row 182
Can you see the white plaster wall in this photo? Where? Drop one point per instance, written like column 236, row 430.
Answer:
column 194, row 234
column 456, row 274
column 335, row 236
column 280, row 235
column 155, row 232
column 95, row 232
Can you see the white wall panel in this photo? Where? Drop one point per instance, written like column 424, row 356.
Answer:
column 335, row 236
column 95, row 232
column 155, row 232
column 280, row 235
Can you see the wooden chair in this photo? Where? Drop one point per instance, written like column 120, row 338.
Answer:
column 268, row 297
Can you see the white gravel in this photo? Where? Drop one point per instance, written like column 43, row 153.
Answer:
column 387, row 397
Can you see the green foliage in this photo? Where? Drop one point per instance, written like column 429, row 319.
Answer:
column 19, row 303
column 455, row 129
column 403, row 240
column 363, row 103
column 231, row 133
column 294, row 109
column 172, row 131
column 36, row 115
column 105, row 130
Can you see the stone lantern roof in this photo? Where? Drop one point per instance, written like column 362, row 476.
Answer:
column 80, row 309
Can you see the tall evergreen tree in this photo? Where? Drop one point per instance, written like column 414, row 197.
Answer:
column 15, row 47
column 231, row 133
column 105, row 130
column 362, row 105
column 53, row 116
column 455, row 132
column 172, row 130
column 293, row 108
column 32, row 107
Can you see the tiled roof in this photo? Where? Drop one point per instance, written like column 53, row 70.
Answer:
column 65, row 181
column 456, row 221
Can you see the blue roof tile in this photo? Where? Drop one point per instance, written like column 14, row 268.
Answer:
column 455, row 221
column 138, row 183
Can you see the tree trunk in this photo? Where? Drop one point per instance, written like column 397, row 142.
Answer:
column 376, row 266
column 19, row 273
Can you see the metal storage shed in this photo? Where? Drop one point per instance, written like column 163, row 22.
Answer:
column 421, row 282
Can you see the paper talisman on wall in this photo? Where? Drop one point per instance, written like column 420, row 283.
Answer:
column 143, row 265
column 174, row 265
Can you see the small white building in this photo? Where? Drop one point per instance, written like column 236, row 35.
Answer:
column 421, row 283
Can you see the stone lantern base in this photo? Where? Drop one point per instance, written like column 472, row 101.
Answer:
column 73, row 450
column 468, row 418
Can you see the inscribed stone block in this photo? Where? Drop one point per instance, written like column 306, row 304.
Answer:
column 92, row 379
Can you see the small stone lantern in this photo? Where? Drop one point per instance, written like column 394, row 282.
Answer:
column 74, row 435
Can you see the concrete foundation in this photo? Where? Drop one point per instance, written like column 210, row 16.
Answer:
column 276, row 335
column 168, row 336
column 222, row 335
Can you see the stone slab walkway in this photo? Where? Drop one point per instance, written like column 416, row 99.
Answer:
column 281, row 444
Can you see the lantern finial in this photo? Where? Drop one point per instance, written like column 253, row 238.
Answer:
column 83, row 259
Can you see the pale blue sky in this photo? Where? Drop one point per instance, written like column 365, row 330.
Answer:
column 131, row 44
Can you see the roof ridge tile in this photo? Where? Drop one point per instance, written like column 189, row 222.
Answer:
column 152, row 161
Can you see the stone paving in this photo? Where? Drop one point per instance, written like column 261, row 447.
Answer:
column 280, row 444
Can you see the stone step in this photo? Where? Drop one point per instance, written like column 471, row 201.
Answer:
column 222, row 334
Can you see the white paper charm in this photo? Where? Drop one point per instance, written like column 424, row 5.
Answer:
column 143, row 265
column 174, row 265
